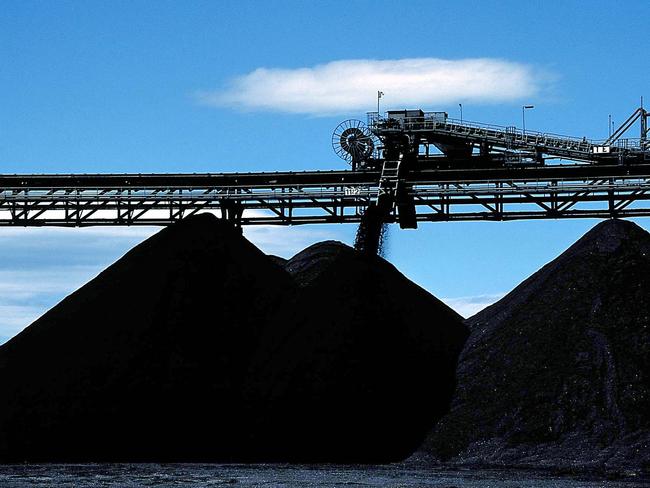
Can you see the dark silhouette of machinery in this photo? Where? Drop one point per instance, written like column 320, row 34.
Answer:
column 433, row 140
column 408, row 166
column 353, row 142
column 403, row 143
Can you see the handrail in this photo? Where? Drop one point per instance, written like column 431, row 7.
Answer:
column 433, row 121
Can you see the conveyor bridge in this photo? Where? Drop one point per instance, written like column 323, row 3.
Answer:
column 479, row 172
column 293, row 198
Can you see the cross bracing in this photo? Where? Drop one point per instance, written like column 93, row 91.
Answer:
column 293, row 198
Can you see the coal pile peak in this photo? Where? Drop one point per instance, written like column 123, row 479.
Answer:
column 557, row 373
column 309, row 263
column 144, row 362
column 195, row 346
column 364, row 363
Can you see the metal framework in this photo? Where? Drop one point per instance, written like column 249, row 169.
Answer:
column 457, row 137
column 571, row 191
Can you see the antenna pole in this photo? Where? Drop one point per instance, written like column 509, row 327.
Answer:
column 609, row 126
column 523, row 115
column 644, row 124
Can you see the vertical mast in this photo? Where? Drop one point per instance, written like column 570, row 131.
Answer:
column 644, row 125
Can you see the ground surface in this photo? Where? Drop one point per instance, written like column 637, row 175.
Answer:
column 184, row 475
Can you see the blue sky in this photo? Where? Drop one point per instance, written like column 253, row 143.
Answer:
column 131, row 87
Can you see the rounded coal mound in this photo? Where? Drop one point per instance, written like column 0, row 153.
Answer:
column 196, row 346
column 365, row 363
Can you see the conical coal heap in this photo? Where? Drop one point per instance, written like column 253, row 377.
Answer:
column 146, row 361
column 195, row 346
column 363, row 366
column 557, row 373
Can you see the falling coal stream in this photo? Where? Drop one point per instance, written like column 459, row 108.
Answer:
column 372, row 231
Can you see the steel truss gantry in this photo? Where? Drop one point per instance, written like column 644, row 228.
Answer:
column 549, row 192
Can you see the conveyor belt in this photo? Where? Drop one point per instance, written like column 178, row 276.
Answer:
column 292, row 198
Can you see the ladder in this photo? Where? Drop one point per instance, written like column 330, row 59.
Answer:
column 394, row 192
column 389, row 180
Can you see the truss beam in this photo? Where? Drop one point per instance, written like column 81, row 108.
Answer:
column 551, row 192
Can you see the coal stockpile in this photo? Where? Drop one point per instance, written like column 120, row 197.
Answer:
column 557, row 373
column 195, row 346
column 363, row 366
column 146, row 361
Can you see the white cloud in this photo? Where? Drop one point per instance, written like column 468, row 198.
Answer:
column 286, row 241
column 15, row 318
column 134, row 232
column 351, row 85
column 468, row 306
column 17, row 284
column 61, row 267
column 27, row 294
column 40, row 266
